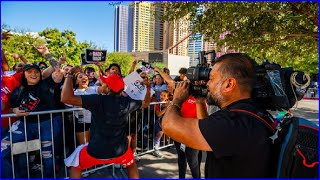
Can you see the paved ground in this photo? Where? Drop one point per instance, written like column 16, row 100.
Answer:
column 152, row 167
column 308, row 109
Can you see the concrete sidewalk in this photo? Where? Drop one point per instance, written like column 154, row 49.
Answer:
column 308, row 109
column 152, row 167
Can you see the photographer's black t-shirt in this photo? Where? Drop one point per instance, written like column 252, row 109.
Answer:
column 108, row 130
column 240, row 143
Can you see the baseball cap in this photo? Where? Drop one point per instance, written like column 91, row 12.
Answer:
column 114, row 82
column 29, row 66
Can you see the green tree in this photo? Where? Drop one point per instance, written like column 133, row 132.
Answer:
column 124, row 60
column 283, row 32
column 159, row 65
column 65, row 43
column 20, row 44
column 59, row 44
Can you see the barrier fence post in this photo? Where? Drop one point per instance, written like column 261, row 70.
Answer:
column 141, row 123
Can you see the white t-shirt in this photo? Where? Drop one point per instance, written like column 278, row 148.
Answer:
column 85, row 115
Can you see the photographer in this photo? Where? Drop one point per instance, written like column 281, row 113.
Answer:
column 237, row 144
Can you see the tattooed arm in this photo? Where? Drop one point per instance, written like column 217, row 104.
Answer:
column 54, row 64
column 43, row 49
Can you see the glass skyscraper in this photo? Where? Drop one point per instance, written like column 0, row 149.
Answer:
column 123, row 29
column 195, row 43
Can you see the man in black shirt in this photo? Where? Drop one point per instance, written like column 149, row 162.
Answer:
column 108, row 140
column 237, row 144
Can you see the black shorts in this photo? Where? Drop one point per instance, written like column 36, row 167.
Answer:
column 81, row 127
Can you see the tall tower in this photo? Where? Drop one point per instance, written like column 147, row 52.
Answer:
column 208, row 46
column 143, row 26
column 122, row 30
column 159, row 29
column 196, row 43
column 181, row 30
column 167, row 35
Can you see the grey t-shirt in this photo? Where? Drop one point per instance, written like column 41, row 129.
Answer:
column 109, row 124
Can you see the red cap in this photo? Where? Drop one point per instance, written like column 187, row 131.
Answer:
column 114, row 82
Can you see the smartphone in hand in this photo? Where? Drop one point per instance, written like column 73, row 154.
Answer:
column 26, row 109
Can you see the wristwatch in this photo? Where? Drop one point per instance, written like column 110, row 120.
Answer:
column 68, row 75
column 176, row 105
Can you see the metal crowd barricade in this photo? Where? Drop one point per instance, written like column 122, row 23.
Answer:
column 144, row 133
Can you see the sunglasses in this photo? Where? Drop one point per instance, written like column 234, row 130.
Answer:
column 42, row 67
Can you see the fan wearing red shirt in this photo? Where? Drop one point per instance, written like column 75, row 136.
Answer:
column 186, row 154
column 9, row 81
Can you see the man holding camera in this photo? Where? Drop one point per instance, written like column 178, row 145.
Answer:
column 237, row 144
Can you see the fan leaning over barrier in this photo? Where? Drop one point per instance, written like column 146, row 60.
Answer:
column 108, row 142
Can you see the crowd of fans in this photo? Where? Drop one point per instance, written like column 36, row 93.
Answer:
column 38, row 87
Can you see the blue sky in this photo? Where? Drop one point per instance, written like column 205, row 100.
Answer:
column 91, row 21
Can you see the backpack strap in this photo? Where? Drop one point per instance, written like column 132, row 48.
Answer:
column 257, row 117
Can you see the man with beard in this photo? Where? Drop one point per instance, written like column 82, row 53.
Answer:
column 237, row 144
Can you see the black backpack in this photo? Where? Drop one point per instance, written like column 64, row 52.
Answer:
column 296, row 140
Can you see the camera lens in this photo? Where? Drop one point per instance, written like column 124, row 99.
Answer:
column 198, row 73
column 198, row 90
column 204, row 73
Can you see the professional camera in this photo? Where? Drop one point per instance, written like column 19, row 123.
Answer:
column 199, row 75
column 278, row 88
column 275, row 88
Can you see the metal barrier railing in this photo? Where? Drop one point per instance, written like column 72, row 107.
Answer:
column 144, row 122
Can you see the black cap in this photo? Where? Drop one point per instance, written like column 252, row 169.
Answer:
column 29, row 66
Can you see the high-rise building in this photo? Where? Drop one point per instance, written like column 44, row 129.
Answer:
column 159, row 29
column 180, row 31
column 167, row 35
column 123, row 29
column 143, row 26
column 175, row 36
column 195, row 46
column 195, row 43
column 209, row 46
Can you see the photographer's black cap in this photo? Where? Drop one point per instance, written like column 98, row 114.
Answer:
column 29, row 66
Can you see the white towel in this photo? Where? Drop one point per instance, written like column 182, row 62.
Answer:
column 73, row 159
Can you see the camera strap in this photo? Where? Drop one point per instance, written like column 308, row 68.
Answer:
column 268, row 125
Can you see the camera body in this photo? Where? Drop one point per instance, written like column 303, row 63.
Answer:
column 275, row 88
column 200, row 73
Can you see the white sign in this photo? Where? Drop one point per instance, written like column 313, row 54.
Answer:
column 134, row 88
column 147, row 69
